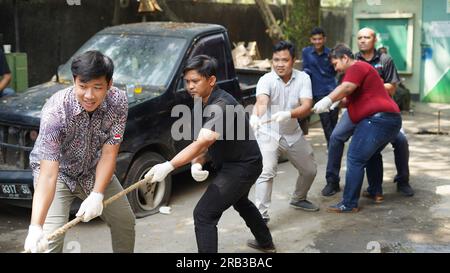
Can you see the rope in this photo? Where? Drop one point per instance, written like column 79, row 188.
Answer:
column 60, row 231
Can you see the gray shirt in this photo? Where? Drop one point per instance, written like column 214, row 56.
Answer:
column 283, row 97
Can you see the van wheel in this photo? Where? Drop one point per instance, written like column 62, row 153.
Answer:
column 146, row 200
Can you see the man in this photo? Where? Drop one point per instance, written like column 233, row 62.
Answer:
column 5, row 77
column 344, row 129
column 237, row 159
column 317, row 65
column 75, row 156
column 282, row 96
column 377, row 121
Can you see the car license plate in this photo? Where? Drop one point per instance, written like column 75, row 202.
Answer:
column 15, row 191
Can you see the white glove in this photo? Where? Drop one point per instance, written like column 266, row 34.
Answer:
column 322, row 105
column 160, row 171
column 91, row 207
column 281, row 116
column 198, row 173
column 36, row 241
column 254, row 122
column 334, row 105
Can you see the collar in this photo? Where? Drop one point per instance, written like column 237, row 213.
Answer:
column 325, row 51
column 293, row 76
column 214, row 94
column 375, row 58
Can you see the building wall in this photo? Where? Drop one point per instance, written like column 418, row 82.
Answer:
column 373, row 7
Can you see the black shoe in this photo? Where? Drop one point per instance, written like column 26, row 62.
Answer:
column 331, row 189
column 270, row 248
column 405, row 189
column 266, row 220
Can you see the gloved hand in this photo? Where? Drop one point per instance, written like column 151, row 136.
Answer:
column 281, row 116
column 36, row 242
column 91, row 207
column 198, row 173
column 322, row 105
column 334, row 105
column 160, row 171
column 254, row 122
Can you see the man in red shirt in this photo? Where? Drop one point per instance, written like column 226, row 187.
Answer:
column 376, row 115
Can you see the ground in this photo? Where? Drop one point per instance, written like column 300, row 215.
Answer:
column 401, row 224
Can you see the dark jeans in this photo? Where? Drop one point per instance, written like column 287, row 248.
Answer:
column 328, row 120
column 229, row 188
column 371, row 135
column 342, row 132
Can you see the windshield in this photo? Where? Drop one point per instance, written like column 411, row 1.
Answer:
column 138, row 60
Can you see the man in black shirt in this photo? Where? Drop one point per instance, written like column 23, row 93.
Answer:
column 385, row 66
column 236, row 156
column 5, row 77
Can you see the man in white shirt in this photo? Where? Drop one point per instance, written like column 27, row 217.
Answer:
column 282, row 96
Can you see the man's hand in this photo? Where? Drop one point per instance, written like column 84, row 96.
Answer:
column 160, row 171
column 322, row 105
column 281, row 116
column 36, row 242
column 198, row 173
column 335, row 105
column 91, row 207
column 254, row 122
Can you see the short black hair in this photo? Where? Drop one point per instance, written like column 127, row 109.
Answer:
column 339, row 51
column 317, row 30
column 92, row 65
column 283, row 45
column 204, row 65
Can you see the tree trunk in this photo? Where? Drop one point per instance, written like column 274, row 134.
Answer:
column 273, row 29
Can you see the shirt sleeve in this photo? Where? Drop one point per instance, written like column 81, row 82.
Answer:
column 119, row 119
column 51, row 132
column 4, row 68
column 390, row 74
column 305, row 62
column 355, row 75
column 263, row 86
column 306, row 91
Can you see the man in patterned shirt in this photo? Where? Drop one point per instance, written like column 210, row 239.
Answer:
column 75, row 156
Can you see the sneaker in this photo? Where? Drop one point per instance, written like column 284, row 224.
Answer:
column 304, row 205
column 270, row 248
column 266, row 220
column 331, row 189
column 341, row 208
column 377, row 198
column 405, row 189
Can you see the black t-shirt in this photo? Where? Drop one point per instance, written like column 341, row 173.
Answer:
column 384, row 64
column 4, row 68
column 236, row 145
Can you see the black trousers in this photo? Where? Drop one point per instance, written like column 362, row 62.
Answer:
column 328, row 120
column 229, row 188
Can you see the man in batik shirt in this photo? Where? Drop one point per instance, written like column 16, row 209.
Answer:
column 75, row 156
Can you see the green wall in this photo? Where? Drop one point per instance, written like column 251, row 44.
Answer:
column 385, row 9
column 436, row 46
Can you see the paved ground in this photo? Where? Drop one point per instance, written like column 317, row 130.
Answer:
column 416, row 224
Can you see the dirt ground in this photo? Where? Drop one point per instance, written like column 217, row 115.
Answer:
column 401, row 224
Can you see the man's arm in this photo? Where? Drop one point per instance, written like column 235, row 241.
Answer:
column 5, row 81
column 105, row 167
column 390, row 88
column 261, row 105
column 342, row 91
column 205, row 139
column 45, row 191
column 303, row 110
